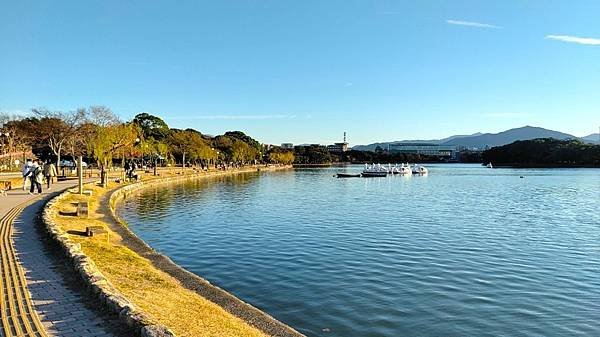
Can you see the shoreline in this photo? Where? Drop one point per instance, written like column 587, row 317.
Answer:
column 122, row 302
column 235, row 306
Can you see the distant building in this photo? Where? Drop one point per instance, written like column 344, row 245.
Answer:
column 288, row 146
column 338, row 147
column 442, row 151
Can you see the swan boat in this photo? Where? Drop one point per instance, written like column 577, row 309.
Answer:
column 402, row 169
column 419, row 169
column 375, row 170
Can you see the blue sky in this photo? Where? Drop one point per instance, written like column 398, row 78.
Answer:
column 306, row 71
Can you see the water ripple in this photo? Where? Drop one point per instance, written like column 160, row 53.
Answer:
column 464, row 251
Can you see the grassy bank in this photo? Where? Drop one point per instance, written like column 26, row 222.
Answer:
column 155, row 292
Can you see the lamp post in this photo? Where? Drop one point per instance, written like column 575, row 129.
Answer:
column 80, row 175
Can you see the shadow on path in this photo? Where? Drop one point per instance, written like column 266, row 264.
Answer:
column 59, row 297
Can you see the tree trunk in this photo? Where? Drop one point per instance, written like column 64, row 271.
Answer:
column 183, row 163
column 58, row 158
column 103, row 174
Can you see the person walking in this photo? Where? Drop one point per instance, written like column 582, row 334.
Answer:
column 37, row 177
column 126, row 169
column 26, row 170
column 49, row 173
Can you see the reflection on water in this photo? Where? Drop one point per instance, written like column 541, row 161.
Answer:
column 464, row 251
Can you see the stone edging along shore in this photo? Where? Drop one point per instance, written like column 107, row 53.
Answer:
column 110, row 298
column 115, row 302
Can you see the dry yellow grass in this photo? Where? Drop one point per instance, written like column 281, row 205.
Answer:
column 155, row 292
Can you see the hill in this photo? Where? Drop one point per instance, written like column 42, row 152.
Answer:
column 507, row 137
column 486, row 140
column 593, row 138
column 384, row 145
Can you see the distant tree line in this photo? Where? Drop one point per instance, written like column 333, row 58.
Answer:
column 544, row 152
column 317, row 154
column 355, row 156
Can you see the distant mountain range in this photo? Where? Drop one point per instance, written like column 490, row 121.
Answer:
column 483, row 140
column 593, row 138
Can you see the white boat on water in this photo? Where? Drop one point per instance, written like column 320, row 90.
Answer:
column 375, row 170
column 402, row 169
column 489, row 165
column 419, row 169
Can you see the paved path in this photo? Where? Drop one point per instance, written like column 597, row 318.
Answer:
column 39, row 295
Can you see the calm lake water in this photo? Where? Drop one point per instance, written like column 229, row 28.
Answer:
column 464, row 251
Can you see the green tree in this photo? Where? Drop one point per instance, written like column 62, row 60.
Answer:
column 545, row 152
column 152, row 126
column 191, row 145
column 108, row 138
column 242, row 153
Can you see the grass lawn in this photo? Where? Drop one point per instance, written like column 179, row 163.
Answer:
column 155, row 292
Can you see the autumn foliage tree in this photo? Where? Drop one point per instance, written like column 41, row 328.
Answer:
column 56, row 128
column 108, row 138
column 281, row 157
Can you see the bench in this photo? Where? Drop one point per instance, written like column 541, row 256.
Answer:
column 91, row 231
column 83, row 209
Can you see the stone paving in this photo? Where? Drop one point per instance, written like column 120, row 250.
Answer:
column 57, row 296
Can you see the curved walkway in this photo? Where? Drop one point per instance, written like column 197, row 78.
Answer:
column 37, row 296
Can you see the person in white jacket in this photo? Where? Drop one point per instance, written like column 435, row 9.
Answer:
column 26, row 170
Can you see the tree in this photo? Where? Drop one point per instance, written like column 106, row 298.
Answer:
column 242, row 152
column 56, row 128
column 239, row 135
column 313, row 154
column 18, row 134
column 77, row 145
column 544, row 152
column 190, row 144
column 152, row 126
column 108, row 137
column 281, row 157
column 225, row 145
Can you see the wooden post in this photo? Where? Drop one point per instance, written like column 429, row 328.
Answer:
column 80, row 173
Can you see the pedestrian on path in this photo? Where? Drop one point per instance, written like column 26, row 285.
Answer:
column 49, row 172
column 26, row 170
column 37, row 177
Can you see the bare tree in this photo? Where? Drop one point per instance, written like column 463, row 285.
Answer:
column 16, row 136
column 101, row 116
column 58, row 127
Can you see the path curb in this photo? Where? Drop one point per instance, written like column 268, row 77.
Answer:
column 99, row 286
